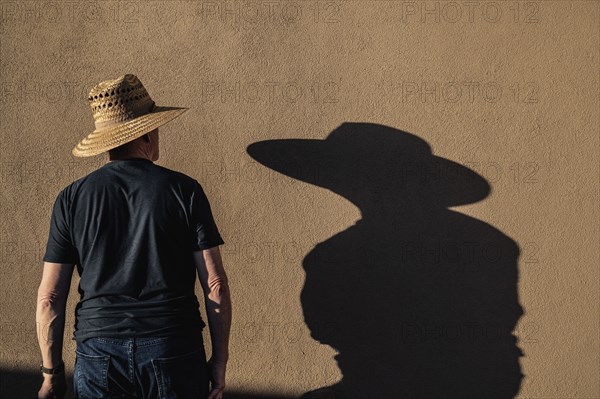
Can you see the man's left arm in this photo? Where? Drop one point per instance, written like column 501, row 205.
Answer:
column 50, row 321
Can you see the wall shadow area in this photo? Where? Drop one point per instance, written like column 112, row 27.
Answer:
column 419, row 300
column 20, row 384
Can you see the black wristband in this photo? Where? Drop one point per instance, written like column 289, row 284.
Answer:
column 56, row 370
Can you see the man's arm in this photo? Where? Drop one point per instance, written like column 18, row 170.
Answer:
column 50, row 313
column 218, row 310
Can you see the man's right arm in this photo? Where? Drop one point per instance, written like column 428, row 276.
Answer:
column 218, row 309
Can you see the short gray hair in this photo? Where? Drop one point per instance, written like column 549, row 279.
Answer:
column 126, row 148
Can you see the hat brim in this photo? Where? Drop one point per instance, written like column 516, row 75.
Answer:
column 102, row 140
column 297, row 158
column 320, row 163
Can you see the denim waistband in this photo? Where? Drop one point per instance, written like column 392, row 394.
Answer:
column 143, row 341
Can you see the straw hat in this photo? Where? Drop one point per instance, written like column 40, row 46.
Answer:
column 122, row 111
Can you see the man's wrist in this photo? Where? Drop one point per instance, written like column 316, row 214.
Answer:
column 219, row 360
column 59, row 369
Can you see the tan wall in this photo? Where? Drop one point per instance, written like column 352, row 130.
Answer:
column 529, row 127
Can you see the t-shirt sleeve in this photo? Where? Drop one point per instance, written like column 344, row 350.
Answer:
column 60, row 248
column 204, row 231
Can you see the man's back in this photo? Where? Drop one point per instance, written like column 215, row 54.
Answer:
column 131, row 227
column 138, row 233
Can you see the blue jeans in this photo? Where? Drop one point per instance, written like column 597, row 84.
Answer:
column 141, row 368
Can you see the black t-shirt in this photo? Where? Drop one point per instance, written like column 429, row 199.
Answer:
column 131, row 227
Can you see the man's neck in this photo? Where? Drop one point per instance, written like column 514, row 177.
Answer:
column 130, row 157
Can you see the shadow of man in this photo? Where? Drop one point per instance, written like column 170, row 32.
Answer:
column 419, row 301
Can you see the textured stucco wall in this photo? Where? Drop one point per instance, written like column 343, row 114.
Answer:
column 508, row 89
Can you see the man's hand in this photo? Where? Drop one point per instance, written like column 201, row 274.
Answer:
column 216, row 371
column 53, row 387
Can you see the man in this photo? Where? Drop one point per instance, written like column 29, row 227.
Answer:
column 138, row 233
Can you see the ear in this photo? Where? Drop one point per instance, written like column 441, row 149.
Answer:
column 146, row 137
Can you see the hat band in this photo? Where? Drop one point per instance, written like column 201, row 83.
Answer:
column 127, row 117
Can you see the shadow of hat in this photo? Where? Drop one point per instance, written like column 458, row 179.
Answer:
column 359, row 157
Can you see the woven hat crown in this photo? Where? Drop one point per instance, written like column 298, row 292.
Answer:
column 119, row 100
